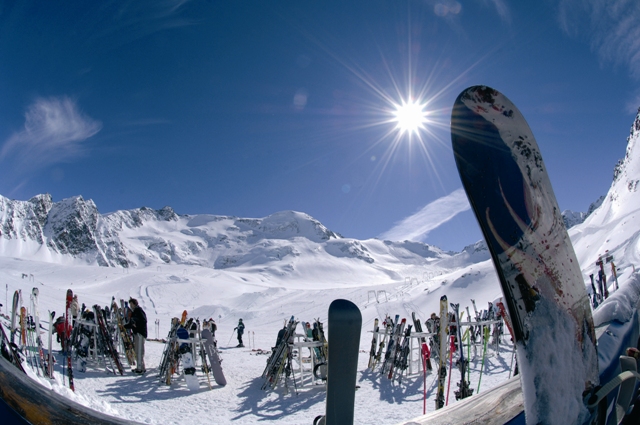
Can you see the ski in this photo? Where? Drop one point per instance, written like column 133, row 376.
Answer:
column 442, row 356
column 402, row 361
column 397, row 348
column 123, row 334
column 505, row 317
column 510, row 193
column 383, row 342
column 374, row 343
column 169, row 358
column 106, row 340
column 424, row 347
column 67, row 338
column 391, row 348
column 38, row 340
column 52, row 316
column 280, row 355
column 485, row 340
column 464, row 389
column 203, row 355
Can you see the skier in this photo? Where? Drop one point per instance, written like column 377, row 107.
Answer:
column 240, row 329
column 138, row 323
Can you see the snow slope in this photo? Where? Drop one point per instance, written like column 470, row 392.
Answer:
column 264, row 271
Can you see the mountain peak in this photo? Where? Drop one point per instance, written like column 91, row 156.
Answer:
column 624, row 166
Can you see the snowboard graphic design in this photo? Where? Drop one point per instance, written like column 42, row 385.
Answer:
column 506, row 181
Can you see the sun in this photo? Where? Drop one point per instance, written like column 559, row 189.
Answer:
column 410, row 116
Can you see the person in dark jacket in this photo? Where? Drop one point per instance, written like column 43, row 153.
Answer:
column 240, row 329
column 138, row 324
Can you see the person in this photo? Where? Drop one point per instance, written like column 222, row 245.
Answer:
column 280, row 336
column 308, row 335
column 58, row 325
column 75, row 307
column 213, row 327
column 240, row 329
column 138, row 324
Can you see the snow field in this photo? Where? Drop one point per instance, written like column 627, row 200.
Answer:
column 166, row 292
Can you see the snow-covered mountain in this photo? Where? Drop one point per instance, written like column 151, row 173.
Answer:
column 572, row 218
column 73, row 231
column 613, row 229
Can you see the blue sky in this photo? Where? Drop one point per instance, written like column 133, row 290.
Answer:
column 247, row 108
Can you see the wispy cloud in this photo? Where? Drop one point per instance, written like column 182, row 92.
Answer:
column 417, row 226
column 54, row 130
column 501, row 8
column 610, row 25
column 134, row 19
column 447, row 8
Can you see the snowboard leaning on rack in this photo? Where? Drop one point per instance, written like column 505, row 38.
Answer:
column 214, row 357
column 345, row 323
column 506, row 181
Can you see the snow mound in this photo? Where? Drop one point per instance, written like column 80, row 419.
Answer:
column 621, row 304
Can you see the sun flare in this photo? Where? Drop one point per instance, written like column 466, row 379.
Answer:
column 410, row 117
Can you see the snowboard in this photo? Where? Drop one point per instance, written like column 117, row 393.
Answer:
column 14, row 315
column 345, row 323
column 507, row 185
column 214, row 357
column 188, row 362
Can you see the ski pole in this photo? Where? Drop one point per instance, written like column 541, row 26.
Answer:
column 451, row 348
column 484, row 353
column 513, row 355
column 469, row 355
column 424, row 381
column 230, row 338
